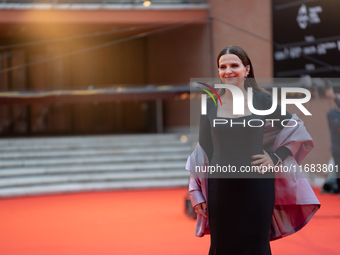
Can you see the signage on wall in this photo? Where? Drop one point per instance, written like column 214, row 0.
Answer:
column 307, row 38
column 308, row 16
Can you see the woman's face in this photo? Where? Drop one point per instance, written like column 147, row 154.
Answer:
column 232, row 71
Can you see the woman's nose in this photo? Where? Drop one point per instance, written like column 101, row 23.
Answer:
column 228, row 70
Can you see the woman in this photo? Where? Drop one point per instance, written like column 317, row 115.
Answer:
column 237, row 209
column 335, row 132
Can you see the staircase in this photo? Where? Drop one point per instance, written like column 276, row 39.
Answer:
column 36, row 166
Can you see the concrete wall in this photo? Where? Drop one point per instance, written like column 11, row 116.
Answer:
column 245, row 15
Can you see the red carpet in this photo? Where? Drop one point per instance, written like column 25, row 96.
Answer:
column 135, row 222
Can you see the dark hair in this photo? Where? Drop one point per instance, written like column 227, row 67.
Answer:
column 243, row 56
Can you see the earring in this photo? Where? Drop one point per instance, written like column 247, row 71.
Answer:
column 246, row 76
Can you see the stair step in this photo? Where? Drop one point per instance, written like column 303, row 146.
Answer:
column 95, row 186
column 90, row 152
column 92, row 177
column 51, row 146
column 125, row 167
column 90, row 139
column 92, row 159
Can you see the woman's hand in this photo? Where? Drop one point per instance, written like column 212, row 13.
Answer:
column 264, row 160
column 200, row 209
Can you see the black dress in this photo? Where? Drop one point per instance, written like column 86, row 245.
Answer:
column 240, row 205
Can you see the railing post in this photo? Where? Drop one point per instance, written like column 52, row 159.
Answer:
column 159, row 116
